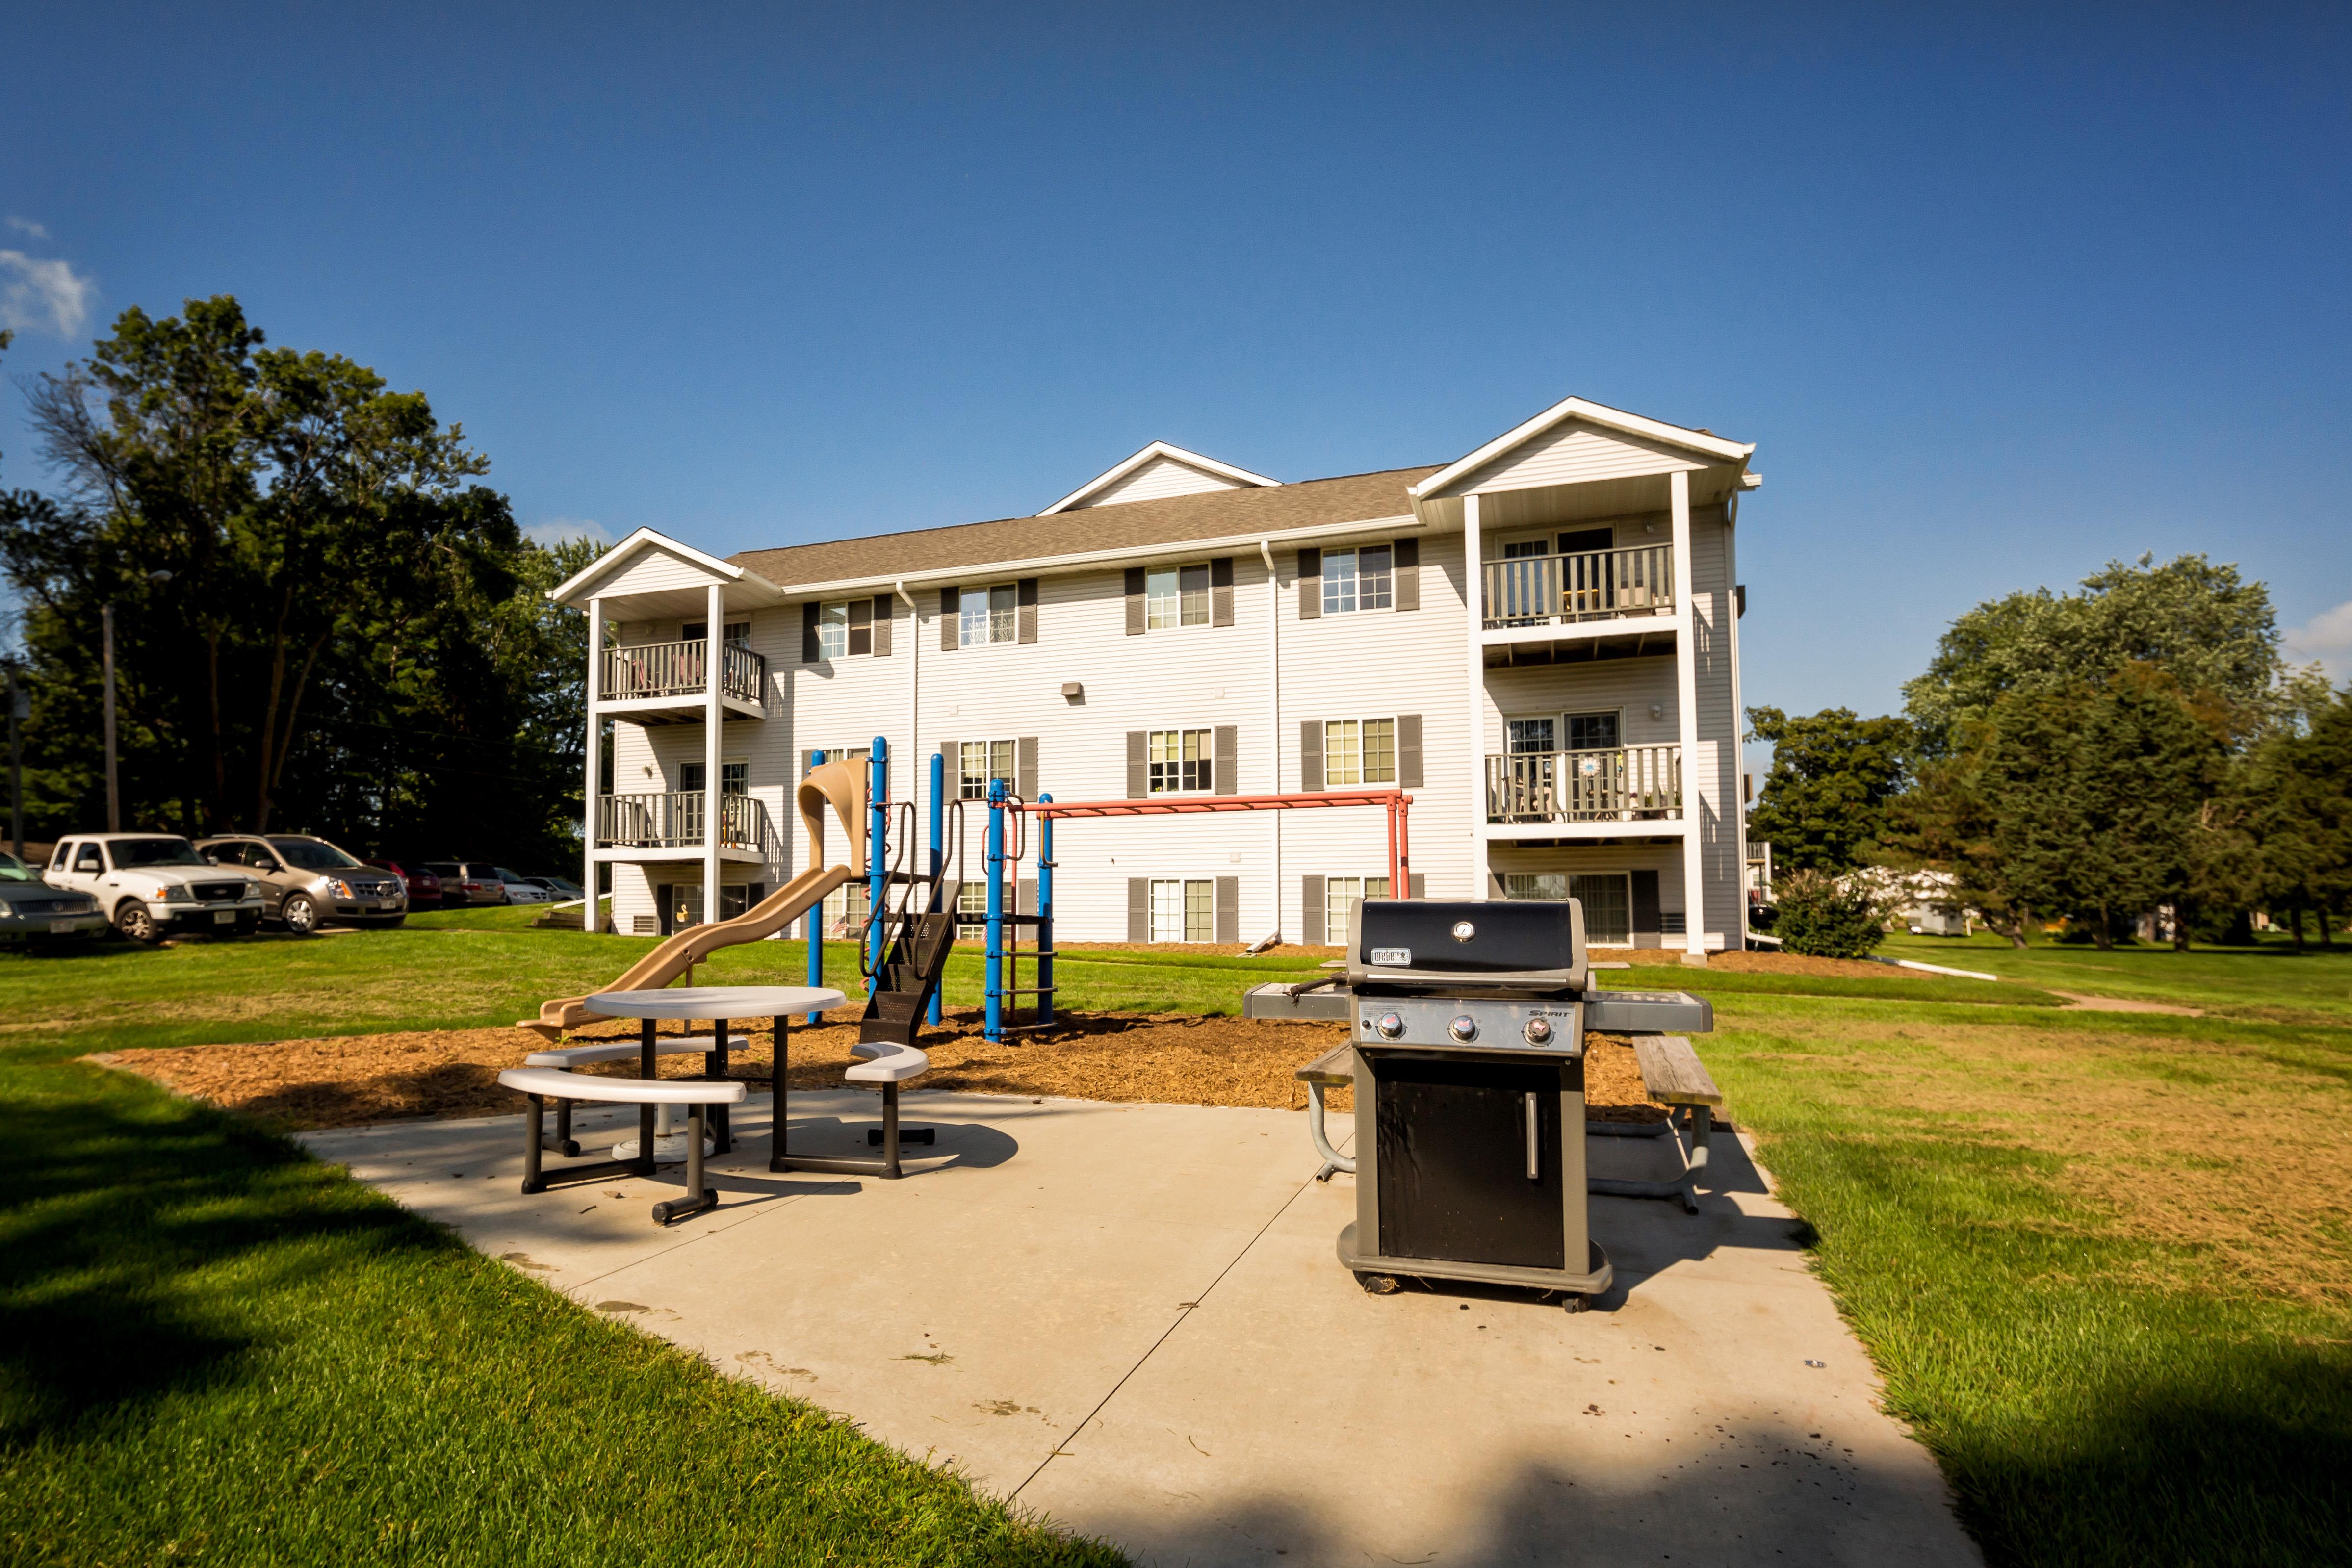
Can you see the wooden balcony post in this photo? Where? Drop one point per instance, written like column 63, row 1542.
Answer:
column 714, row 717
column 1474, row 585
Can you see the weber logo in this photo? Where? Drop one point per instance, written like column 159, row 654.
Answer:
column 1388, row 957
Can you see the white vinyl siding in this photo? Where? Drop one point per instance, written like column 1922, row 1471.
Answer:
column 1358, row 752
column 1160, row 477
column 1575, row 453
column 1340, row 897
column 1183, row 910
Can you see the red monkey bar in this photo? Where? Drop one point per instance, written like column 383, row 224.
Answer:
column 1396, row 803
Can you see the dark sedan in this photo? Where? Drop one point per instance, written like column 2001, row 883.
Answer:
column 424, row 887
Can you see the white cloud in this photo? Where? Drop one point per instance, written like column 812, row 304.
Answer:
column 27, row 226
column 555, row 530
column 2326, row 637
column 45, row 293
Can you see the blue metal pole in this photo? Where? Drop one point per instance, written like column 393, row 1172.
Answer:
column 877, row 866
column 995, row 956
column 939, row 848
column 814, row 924
column 1045, row 915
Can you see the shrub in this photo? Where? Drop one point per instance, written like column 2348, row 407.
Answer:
column 1824, row 916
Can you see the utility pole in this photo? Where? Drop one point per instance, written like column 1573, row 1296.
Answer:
column 113, row 791
column 20, row 707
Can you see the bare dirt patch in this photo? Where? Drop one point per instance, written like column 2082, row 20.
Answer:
column 1167, row 1059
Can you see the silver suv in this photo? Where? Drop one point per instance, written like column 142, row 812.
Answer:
column 307, row 881
column 149, row 884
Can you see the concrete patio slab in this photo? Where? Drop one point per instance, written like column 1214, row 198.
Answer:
column 1129, row 1318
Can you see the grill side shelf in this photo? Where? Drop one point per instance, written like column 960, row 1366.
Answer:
column 1648, row 1012
column 1275, row 1001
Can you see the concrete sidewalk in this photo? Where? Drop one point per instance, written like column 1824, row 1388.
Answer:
column 1129, row 1318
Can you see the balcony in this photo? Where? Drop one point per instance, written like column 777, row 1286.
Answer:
column 1628, row 784
column 674, row 676
column 669, row 826
column 1551, row 590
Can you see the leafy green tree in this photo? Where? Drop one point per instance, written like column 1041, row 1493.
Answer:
column 1823, row 804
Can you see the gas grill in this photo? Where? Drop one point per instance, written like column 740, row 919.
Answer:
column 1468, row 1021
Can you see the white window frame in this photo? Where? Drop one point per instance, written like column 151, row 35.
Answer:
column 1205, row 764
column 972, row 787
column 982, row 621
column 1510, row 741
column 1340, row 897
column 1176, row 596
column 1334, row 729
column 846, row 907
column 833, row 629
column 1183, row 904
column 1359, row 587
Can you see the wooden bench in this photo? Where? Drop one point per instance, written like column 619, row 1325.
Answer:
column 1335, row 1069
column 1672, row 1075
column 541, row 1084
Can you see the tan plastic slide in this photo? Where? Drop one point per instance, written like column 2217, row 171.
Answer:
column 840, row 785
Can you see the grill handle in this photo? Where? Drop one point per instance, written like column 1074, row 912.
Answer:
column 1535, row 1159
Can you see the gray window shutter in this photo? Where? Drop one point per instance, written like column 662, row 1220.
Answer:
column 1221, row 591
column 810, row 650
column 1139, row 758
column 953, row 752
column 861, row 627
column 1418, row 882
column 1645, row 903
column 1135, row 601
column 1139, row 909
column 1229, row 909
column 884, row 608
column 1025, row 593
column 662, row 907
column 1227, row 743
column 950, row 610
column 1310, row 585
column 1310, row 911
column 1310, row 755
column 1408, row 739
column 1025, row 766
column 1405, row 561
column 1024, row 896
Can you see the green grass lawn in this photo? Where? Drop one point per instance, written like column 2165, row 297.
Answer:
column 2103, row 1262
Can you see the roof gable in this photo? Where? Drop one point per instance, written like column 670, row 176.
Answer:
column 648, row 561
column 1157, row 472
column 1576, row 440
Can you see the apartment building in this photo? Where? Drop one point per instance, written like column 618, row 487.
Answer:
column 1538, row 642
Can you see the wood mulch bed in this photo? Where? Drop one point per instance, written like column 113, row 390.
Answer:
column 1170, row 1058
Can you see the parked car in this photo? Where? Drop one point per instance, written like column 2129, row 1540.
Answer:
column 149, row 884
column 469, row 882
column 307, row 881
column 32, row 910
column 423, row 887
column 521, row 889
column 562, row 889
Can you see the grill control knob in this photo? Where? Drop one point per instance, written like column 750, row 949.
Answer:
column 1390, row 1026
column 1464, row 1027
column 1539, row 1031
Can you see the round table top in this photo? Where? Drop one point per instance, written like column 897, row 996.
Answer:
column 715, row 1002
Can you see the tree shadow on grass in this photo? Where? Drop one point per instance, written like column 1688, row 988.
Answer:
column 141, row 1238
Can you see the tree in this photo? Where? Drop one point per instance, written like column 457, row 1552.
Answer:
column 2212, row 633
column 1823, row 804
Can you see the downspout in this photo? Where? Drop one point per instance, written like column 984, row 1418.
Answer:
column 1274, row 716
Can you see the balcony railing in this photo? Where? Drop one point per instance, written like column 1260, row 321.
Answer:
column 675, row 818
column 1590, row 585
column 677, row 670
column 1622, row 785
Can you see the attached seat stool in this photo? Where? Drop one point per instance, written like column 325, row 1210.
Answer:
column 541, row 1084
column 888, row 1065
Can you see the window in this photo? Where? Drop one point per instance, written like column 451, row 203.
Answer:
column 833, row 630
column 1608, row 903
column 1541, row 884
column 845, row 908
column 1358, row 751
column 980, row 761
column 734, row 777
column 736, row 631
column 1531, row 736
column 973, row 899
column 1181, row 762
column 1593, row 731
column 1176, row 596
column 1184, row 911
column 1356, row 580
column 1519, row 550
column 987, row 615
column 1340, row 897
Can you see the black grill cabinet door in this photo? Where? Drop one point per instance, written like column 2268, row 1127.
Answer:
column 1453, row 1156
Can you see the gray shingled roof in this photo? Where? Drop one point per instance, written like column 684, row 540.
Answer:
column 1124, row 524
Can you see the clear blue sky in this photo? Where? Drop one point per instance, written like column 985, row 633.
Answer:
column 2000, row 296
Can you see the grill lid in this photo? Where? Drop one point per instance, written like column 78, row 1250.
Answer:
column 1522, row 944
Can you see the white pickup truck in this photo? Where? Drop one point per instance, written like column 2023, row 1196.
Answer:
column 151, row 883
